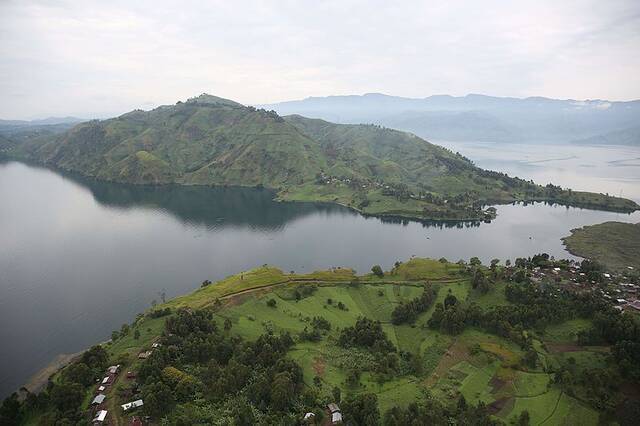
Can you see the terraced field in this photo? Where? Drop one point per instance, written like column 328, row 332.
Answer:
column 480, row 366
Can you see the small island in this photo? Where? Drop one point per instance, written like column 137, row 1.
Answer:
column 614, row 244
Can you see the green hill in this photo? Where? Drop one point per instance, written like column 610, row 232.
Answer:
column 213, row 141
column 421, row 343
column 613, row 244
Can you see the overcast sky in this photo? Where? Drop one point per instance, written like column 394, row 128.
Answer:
column 102, row 58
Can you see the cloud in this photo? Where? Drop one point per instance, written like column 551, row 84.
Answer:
column 94, row 58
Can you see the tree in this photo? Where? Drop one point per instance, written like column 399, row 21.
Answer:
column 282, row 391
column 336, row 393
column 523, row 419
column 480, row 281
column 450, row 300
column 10, row 410
column 66, row 396
column 158, row 398
column 377, row 271
column 78, row 373
column 362, row 410
column 136, row 334
column 227, row 324
column 474, row 261
column 271, row 303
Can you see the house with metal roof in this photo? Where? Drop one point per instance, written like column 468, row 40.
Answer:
column 131, row 405
column 99, row 399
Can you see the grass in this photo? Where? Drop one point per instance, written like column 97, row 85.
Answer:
column 566, row 331
column 493, row 375
column 614, row 244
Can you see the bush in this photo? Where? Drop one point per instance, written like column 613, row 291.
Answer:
column 377, row 271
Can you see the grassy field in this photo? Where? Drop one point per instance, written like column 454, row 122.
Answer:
column 480, row 366
column 492, row 375
column 614, row 244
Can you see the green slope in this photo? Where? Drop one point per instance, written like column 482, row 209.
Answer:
column 213, row 141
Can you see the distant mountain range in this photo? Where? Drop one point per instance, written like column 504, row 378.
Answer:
column 22, row 130
column 208, row 140
column 480, row 117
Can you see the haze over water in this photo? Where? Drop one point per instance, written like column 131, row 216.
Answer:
column 79, row 257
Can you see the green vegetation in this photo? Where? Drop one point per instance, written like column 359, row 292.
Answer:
column 213, row 141
column 613, row 244
column 417, row 342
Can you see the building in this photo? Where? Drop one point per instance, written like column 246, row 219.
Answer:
column 99, row 399
column 144, row 355
column 336, row 415
column 131, row 405
column 113, row 369
column 136, row 421
column 100, row 417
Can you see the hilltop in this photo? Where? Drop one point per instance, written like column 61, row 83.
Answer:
column 428, row 341
column 209, row 140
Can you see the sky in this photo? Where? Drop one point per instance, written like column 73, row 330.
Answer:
column 103, row 58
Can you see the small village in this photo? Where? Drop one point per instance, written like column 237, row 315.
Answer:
column 105, row 391
column 620, row 289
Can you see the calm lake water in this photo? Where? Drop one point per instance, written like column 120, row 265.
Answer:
column 79, row 257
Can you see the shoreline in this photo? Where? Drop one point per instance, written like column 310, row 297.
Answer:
column 278, row 197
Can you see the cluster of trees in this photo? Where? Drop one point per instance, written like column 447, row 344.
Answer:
column 366, row 333
column 432, row 412
column 61, row 399
column 620, row 331
column 319, row 327
column 408, row 312
column 242, row 381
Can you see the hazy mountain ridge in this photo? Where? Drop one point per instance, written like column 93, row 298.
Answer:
column 474, row 117
column 629, row 136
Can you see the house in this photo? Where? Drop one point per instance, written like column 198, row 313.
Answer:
column 621, row 301
column 106, row 381
column 131, row 375
column 308, row 417
column 99, row 399
column 144, row 355
column 100, row 417
column 113, row 369
column 635, row 304
column 136, row 421
column 156, row 345
column 333, row 407
column 101, row 388
column 131, row 405
column 336, row 418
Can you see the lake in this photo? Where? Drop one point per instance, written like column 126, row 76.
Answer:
column 79, row 257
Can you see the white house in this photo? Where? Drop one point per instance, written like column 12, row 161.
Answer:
column 100, row 417
column 99, row 399
column 131, row 405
